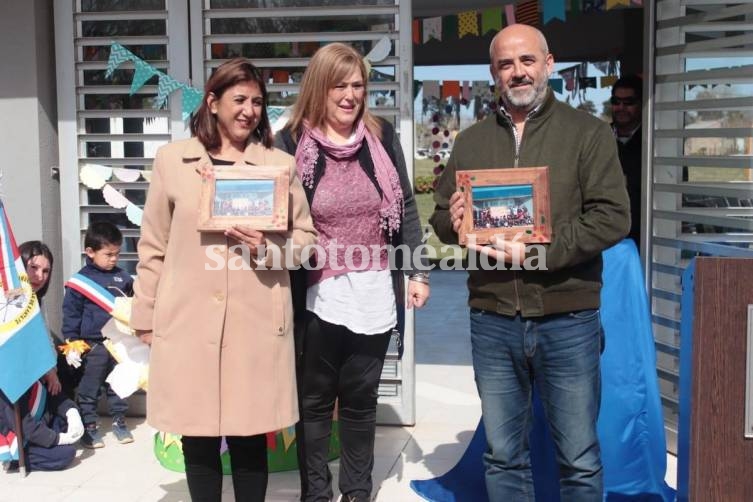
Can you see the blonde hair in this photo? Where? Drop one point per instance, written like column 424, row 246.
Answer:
column 329, row 66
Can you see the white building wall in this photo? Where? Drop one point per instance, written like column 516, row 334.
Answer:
column 28, row 130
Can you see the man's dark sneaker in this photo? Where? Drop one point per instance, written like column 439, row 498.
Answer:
column 121, row 432
column 91, row 438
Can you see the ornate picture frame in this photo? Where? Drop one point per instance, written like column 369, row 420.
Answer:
column 256, row 196
column 512, row 202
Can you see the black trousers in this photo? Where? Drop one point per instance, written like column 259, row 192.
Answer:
column 97, row 364
column 248, row 462
column 338, row 365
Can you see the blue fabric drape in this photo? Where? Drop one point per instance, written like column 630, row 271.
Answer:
column 630, row 426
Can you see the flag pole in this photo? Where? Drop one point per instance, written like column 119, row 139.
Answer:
column 20, row 439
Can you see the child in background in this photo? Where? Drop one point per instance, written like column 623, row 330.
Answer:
column 50, row 424
column 83, row 318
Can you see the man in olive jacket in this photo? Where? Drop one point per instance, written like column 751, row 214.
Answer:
column 539, row 326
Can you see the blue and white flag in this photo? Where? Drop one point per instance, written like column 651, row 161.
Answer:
column 26, row 352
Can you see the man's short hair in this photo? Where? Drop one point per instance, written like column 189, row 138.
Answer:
column 633, row 82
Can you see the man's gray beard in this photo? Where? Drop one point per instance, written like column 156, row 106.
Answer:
column 527, row 102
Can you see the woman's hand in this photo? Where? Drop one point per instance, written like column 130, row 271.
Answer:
column 418, row 294
column 52, row 382
column 249, row 237
column 144, row 335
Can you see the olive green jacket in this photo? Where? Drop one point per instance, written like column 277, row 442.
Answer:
column 589, row 207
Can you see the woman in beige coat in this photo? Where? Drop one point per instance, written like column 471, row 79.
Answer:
column 222, row 361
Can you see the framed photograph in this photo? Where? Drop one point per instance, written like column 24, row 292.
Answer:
column 256, row 196
column 512, row 202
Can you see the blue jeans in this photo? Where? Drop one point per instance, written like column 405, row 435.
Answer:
column 560, row 354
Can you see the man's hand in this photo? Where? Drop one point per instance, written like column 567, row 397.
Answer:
column 418, row 294
column 457, row 210
column 504, row 250
column 144, row 336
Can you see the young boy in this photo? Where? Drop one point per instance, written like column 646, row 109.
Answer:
column 84, row 315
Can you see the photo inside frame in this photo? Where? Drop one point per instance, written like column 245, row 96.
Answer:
column 240, row 197
column 502, row 206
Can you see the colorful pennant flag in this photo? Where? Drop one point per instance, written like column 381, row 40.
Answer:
column 491, row 20
column 450, row 27
column 143, row 72
column 556, row 85
column 167, row 85
column 118, row 56
column 450, row 89
column 416, row 31
column 608, row 81
column 190, row 102
column 527, row 12
column 510, row 14
column 586, row 82
column 431, row 89
column 432, row 28
column 26, row 352
column 611, row 4
column 467, row 24
column 553, row 9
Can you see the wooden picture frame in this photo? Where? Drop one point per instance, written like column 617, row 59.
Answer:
column 256, row 196
column 512, row 202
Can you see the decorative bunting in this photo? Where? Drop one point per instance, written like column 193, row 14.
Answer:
column 432, row 28
column 124, row 174
column 586, row 82
column 466, row 92
column 593, row 5
column 527, row 12
column 431, row 89
column 515, row 11
column 274, row 112
column 134, row 214
column 608, row 81
column 467, row 24
column 553, row 9
column 556, row 85
column 280, row 76
column 568, row 75
column 611, row 4
column 114, row 198
column 118, row 56
column 450, row 89
column 491, row 20
column 450, row 27
column 190, row 101
column 143, row 72
column 167, row 85
column 510, row 14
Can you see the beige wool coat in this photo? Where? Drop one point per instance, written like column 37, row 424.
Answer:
column 222, row 358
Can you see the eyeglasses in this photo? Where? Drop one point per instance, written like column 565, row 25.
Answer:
column 623, row 101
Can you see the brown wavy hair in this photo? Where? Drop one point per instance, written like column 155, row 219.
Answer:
column 228, row 74
column 329, row 66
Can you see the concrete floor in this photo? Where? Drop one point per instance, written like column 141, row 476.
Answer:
column 447, row 413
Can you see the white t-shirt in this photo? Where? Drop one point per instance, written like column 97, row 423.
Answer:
column 362, row 301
